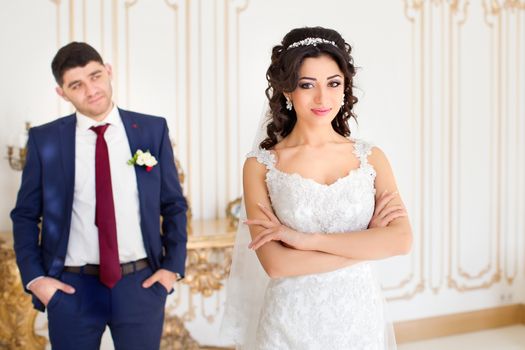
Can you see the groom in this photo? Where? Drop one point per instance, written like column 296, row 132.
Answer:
column 87, row 219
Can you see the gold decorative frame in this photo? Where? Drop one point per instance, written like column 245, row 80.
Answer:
column 17, row 316
column 18, row 162
column 232, row 210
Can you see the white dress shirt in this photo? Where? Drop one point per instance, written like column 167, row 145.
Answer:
column 83, row 237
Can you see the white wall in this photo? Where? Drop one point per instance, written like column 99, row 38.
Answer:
column 441, row 87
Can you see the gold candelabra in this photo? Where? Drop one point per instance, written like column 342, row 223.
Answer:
column 18, row 162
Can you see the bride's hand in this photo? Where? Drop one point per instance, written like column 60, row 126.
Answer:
column 275, row 231
column 385, row 213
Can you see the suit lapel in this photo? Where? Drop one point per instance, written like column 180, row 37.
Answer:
column 135, row 139
column 67, row 149
column 134, row 134
column 67, row 136
column 132, row 130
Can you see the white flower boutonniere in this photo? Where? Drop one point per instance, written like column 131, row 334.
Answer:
column 143, row 159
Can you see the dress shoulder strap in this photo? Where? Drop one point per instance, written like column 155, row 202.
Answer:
column 263, row 156
column 362, row 150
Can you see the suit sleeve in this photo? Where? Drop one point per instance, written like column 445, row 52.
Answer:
column 26, row 216
column 173, row 209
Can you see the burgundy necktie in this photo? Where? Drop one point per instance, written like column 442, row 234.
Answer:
column 109, row 273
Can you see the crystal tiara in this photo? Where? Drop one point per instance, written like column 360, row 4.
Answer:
column 310, row 41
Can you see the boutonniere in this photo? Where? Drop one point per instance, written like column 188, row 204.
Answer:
column 143, row 159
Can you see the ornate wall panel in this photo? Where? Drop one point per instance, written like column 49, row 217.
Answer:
column 187, row 53
column 466, row 72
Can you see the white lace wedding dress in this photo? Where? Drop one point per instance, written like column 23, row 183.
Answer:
column 342, row 309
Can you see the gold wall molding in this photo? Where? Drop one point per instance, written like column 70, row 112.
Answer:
column 57, row 6
column 496, row 16
column 489, row 274
column 227, row 102
column 84, row 21
column 216, row 104
column 434, row 225
column 75, row 26
column 414, row 12
column 102, row 30
column 240, row 7
column 519, row 90
column 512, row 59
column 196, row 121
column 187, row 62
column 199, row 114
column 57, row 24
column 128, row 4
column 174, row 7
column 400, row 285
column 439, row 24
column 235, row 8
column 115, row 49
column 71, row 20
column 191, row 116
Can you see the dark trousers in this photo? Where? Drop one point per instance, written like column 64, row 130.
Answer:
column 134, row 314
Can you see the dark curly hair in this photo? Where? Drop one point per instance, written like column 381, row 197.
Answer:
column 283, row 76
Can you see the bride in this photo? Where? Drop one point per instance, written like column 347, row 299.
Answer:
column 320, row 205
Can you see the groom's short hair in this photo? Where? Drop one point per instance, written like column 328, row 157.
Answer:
column 74, row 54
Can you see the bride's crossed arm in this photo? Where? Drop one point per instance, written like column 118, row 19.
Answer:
column 276, row 259
column 389, row 232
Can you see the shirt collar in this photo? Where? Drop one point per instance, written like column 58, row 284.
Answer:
column 84, row 122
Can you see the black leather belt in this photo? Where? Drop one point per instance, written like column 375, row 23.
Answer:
column 126, row 268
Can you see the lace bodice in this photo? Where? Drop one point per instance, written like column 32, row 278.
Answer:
column 341, row 309
column 308, row 206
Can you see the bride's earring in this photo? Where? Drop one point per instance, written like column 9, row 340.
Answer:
column 289, row 104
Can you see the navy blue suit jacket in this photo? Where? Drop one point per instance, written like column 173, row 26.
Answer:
column 46, row 197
